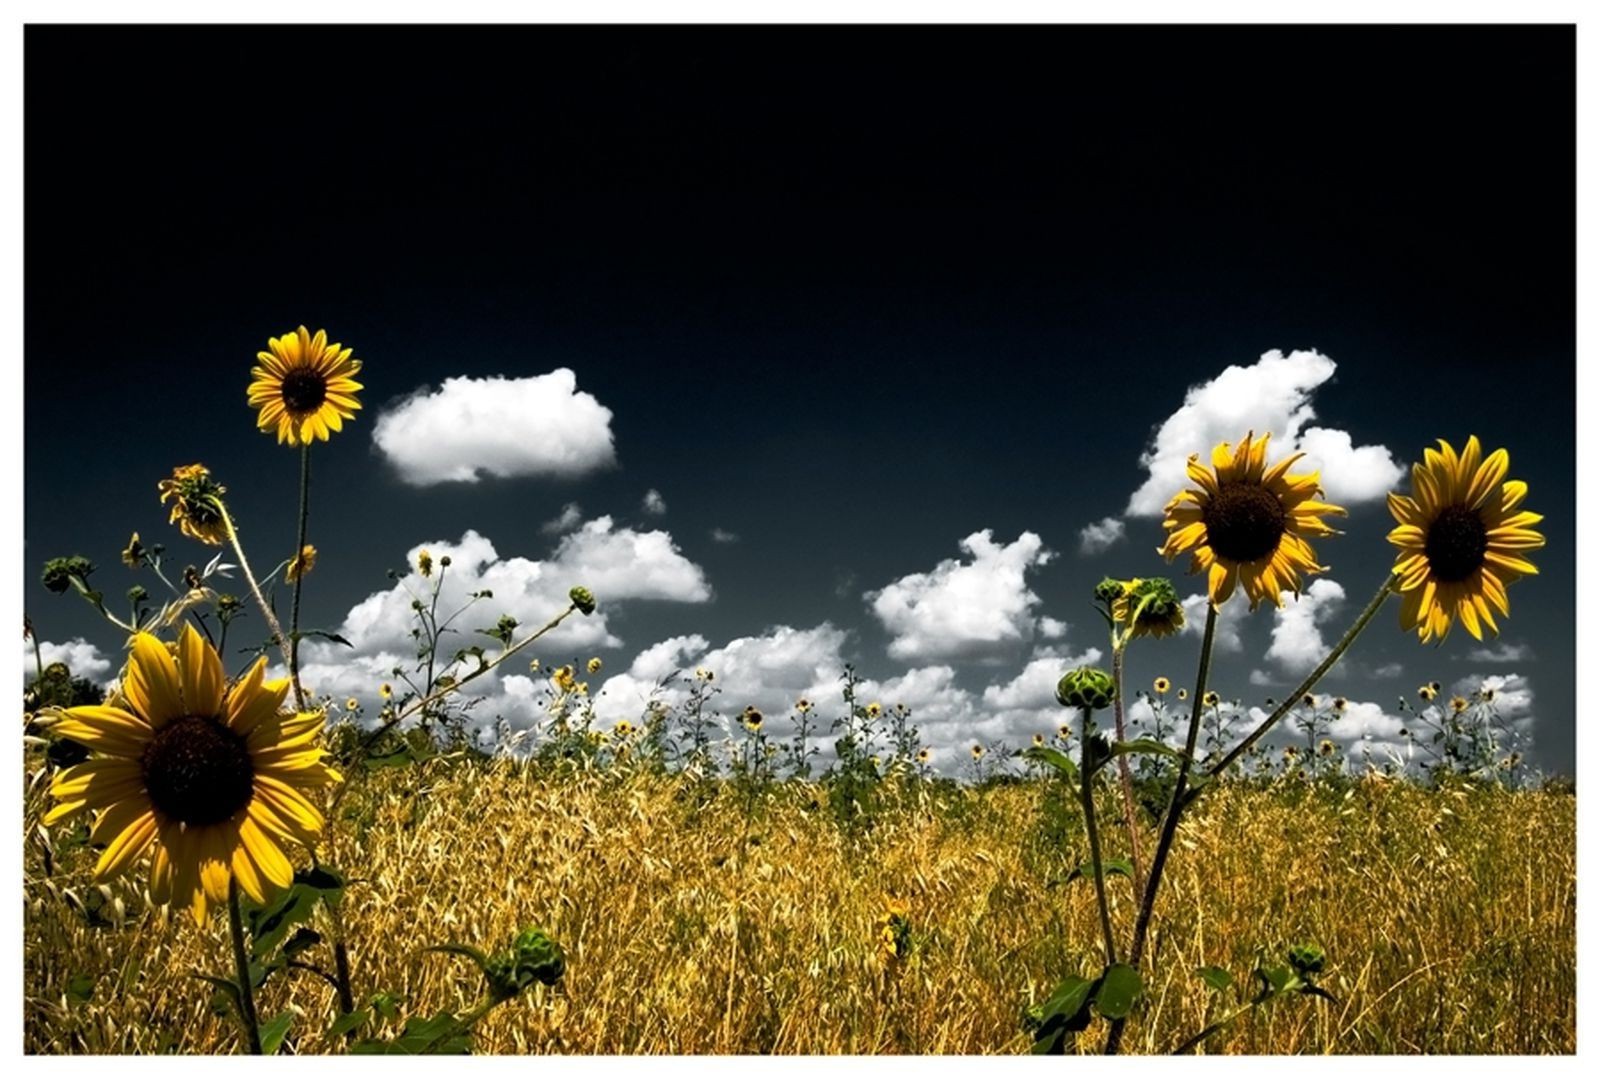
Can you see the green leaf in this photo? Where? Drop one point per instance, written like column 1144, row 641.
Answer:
column 1215, row 977
column 1055, row 759
column 303, row 938
column 347, row 1022
column 1137, row 745
column 386, row 1004
column 1120, row 986
column 271, row 923
column 442, row 1034
column 324, row 634
column 227, row 992
column 1110, row 867
column 463, row 949
column 80, row 987
column 273, row 1032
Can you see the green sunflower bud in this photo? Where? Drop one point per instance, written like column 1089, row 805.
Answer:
column 1086, row 687
column 1110, row 590
column 1306, row 958
column 583, row 599
column 59, row 572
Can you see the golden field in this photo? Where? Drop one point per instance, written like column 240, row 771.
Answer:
column 698, row 920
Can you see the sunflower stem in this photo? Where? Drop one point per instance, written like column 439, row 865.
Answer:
column 1349, row 638
column 1169, row 824
column 1131, row 821
column 1086, row 796
column 241, row 964
column 299, row 578
column 255, row 589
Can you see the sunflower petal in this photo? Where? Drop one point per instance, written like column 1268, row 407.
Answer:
column 200, row 669
column 153, row 686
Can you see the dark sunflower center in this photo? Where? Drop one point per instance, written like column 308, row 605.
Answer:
column 304, row 391
column 1456, row 544
column 197, row 771
column 1244, row 522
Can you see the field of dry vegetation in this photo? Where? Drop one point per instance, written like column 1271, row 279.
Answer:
column 697, row 920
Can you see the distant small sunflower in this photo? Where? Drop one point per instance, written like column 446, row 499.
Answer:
column 351, row 704
column 304, row 387
column 874, row 710
column 1245, row 523
column 1340, row 704
column 752, row 718
column 1183, row 694
column 1038, row 739
column 1211, row 700
column 1461, row 539
column 133, row 553
column 1064, row 732
column 595, row 665
column 301, row 564
column 1162, row 685
column 1427, row 693
column 386, row 691
column 923, row 755
column 1458, row 705
column 977, row 751
column 193, row 494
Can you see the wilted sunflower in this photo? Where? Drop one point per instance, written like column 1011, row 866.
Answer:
column 211, row 780
column 1246, row 523
column 192, row 491
column 304, row 387
column 1461, row 540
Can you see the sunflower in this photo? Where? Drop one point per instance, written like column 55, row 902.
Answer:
column 304, row 387
column 193, row 494
column 1246, row 524
column 752, row 719
column 1038, row 739
column 210, row 779
column 1162, row 685
column 1458, row 705
column 1427, row 693
column 923, row 755
column 1211, row 699
column 1461, row 540
column 301, row 564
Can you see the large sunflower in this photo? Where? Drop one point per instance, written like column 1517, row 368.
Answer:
column 1461, row 540
column 304, row 386
column 1246, row 523
column 211, row 780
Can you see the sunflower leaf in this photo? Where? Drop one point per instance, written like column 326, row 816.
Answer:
column 273, row 1031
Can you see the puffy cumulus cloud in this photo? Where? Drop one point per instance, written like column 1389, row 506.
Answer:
column 653, row 503
column 1273, row 394
column 570, row 517
column 1297, row 644
column 619, row 565
column 976, row 609
column 1501, row 652
column 1101, row 535
column 722, row 535
column 536, row 426
column 82, row 658
column 1227, row 638
column 1512, row 697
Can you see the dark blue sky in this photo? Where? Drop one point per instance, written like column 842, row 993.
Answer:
column 851, row 295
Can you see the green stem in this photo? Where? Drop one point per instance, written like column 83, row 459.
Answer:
column 1169, row 824
column 1349, row 638
column 299, row 578
column 250, row 578
column 241, row 964
column 1131, row 821
column 1087, row 797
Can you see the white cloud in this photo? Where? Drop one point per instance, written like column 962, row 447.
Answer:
column 1052, row 629
column 82, row 658
column 653, row 503
column 964, row 609
column 1226, row 638
column 722, row 535
column 1513, row 698
column 1501, row 652
column 1388, row 670
column 536, row 426
column 1273, row 394
column 570, row 517
column 1297, row 644
column 1101, row 535
column 619, row 565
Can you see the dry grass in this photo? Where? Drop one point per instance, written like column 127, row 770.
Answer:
column 1448, row 919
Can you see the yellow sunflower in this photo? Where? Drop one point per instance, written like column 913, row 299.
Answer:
column 1247, row 523
column 1461, row 540
column 304, row 387
column 210, row 779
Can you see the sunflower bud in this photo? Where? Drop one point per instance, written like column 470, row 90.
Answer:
column 1306, row 958
column 1110, row 590
column 1086, row 687
column 59, row 572
column 583, row 599
column 533, row 957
